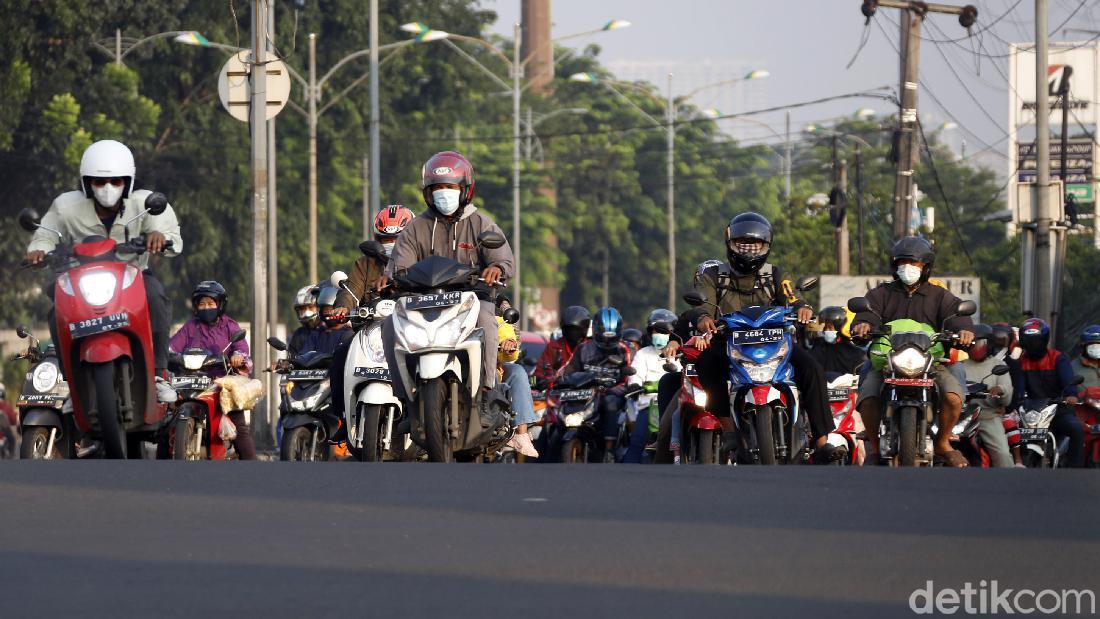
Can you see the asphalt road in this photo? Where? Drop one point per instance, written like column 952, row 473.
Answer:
column 259, row 539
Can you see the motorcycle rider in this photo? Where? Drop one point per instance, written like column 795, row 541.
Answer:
column 633, row 338
column 449, row 228
column 334, row 318
column 1046, row 374
column 1088, row 364
column 605, row 350
column 910, row 295
column 210, row 328
column 747, row 279
column 519, row 388
column 305, row 307
column 106, row 200
column 575, row 322
column 649, row 365
column 834, row 350
column 984, row 355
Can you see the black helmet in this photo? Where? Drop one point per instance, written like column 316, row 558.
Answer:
column 213, row 290
column 634, row 336
column 833, row 315
column 913, row 248
column 748, row 226
column 607, row 328
column 662, row 320
column 576, row 316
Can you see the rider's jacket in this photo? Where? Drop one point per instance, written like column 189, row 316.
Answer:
column 731, row 291
column 590, row 356
column 74, row 216
column 1047, row 377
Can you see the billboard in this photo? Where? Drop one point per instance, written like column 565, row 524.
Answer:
column 837, row 289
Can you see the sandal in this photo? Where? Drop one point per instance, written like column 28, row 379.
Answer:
column 952, row 459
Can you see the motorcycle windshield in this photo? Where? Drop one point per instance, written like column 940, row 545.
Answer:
column 435, row 272
column 312, row 359
column 756, row 317
column 920, row 340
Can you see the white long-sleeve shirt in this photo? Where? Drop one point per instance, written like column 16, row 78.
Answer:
column 649, row 364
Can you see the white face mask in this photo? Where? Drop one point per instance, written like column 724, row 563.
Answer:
column 1093, row 351
column 446, row 200
column 829, row 336
column 388, row 248
column 909, row 274
column 107, row 195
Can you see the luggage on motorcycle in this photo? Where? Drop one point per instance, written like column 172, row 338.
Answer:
column 227, row 430
column 239, row 393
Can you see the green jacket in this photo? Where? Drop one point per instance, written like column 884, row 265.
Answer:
column 721, row 285
column 1090, row 372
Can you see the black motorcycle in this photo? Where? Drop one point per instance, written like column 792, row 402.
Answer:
column 48, row 430
column 308, row 424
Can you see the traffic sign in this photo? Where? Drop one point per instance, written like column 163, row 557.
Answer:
column 234, row 89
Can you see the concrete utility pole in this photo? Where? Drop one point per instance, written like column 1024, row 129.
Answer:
column 859, row 207
column 264, row 435
column 538, row 48
column 368, row 212
column 1044, row 258
column 312, row 158
column 670, row 120
column 259, row 129
column 375, row 145
column 517, row 137
column 842, row 261
column 912, row 17
column 787, row 158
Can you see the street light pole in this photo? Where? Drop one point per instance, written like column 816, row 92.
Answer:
column 375, row 143
column 517, row 74
column 670, row 118
column 312, row 96
column 258, row 126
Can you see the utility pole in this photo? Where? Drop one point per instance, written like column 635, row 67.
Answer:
column 517, row 75
column 264, row 436
column 259, row 129
column 859, row 207
column 787, row 156
column 670, row 118
column 838, row 200
column 912, row 17
column 313, row 96
column 1060, row 234
column 375, row 143
column 118, row 46
column 368, row 212
column 1044, row 267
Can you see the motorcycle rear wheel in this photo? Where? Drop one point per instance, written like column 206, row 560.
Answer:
column 434, row 415
column 765, row 441
column 106, row 399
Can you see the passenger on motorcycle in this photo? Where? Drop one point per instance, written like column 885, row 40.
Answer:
column 1088, row 364
column 575, row 322
column 747, row 279
column 106, row 200
column 633, row 339
column 649, row 365
column 605, row 351
column 834, row 350
column 519, row 388
column 305, row 306
column 210, row 328
column 1047, row 374
column 334, row 319
column 450, row 228
column 911, row 296
column 984, row 355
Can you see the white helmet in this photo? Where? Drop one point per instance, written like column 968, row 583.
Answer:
column 107, row 159
column 307, row 295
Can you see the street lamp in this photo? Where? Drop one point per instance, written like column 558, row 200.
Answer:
column 670, row 130
column 515, row 68
column 124, row 45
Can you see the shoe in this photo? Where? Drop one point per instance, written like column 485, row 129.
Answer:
column 1019, row 465
column 87, row 447
column 522, row 443
column 609, row 456
column 165, row 393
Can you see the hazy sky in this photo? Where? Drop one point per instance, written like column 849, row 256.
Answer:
column 806, row 45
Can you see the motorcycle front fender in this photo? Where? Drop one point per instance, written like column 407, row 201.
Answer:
column 104, row 347
column 377, row 392
column 434, row 364
column 298, row 420
column 42, row 417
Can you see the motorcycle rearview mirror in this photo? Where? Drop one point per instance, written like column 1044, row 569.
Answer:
column 491, row 239
column 982, row 331
column 859, row 305
column 668, row 367
column 238, row 336
column 807, row 283
column 29, row 219
column 629, row 371
column 1077, row 380
column 694, row 298
column 1000, row 370
column 338, row 278
column 276, row 343
column 967, row 308
column 156, row 203
column 373, row 249
column 22, row 331
column 511, row 315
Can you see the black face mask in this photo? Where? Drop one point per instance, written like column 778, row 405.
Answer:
column 209, row 316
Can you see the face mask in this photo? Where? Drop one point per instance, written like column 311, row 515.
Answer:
column 829, row 336
column 908, row 274
column 660, row 340
column 209, row 316
column 446, row 200
column 1093, row 351
column 387, row 248
column 107, row 195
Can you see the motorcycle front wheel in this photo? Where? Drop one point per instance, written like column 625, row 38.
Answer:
column 373, row 419
column 183, row 440
column 765, row 441
column 574, row 452
column 434, row 416
column 106, row 399
column 296, row 444
column 36, row 440
column 908, row 440
column 706, row 445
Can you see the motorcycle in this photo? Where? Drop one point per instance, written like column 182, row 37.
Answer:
column 48, row 432
column 843, row 391
column 309, row 427
column 907, row 354
column 763, row 399
column 965, row 436
column 1041, row 449
column 703, row 440
column 578, row 428
column 438, row 347
column 371, row 410
column 193, row 424
column 1088, row 411
column 105, row 335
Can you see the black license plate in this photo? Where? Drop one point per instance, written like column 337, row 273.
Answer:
column 373, row 373
column 192, row 382
column 759, row 336
column 26, row 399
column 100, row 324
column 428, row 301
column 307, row 375
column 1033, row 434
column 575, row 395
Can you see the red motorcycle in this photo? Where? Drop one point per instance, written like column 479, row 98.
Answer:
column 105, row 336
column 843, row 392
column 702, row 432
column 1088, row 411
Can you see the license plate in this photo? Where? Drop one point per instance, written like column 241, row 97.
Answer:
column 838, row 395
column 307, row 375
column 689, row 370
column 26, row 399
column 759, row 336
column 192, row 382
column 373, row 373
column 100, row 324
column 575, row 395
column 1032, row 434
column 428, row 301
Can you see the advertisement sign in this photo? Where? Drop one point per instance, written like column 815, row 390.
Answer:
column 837, row 289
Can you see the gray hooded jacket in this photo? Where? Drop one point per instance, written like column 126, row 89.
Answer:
column 430, row 234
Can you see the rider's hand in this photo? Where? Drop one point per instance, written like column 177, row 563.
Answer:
column 381, row 284
column 492, row 274
column 705, row 325
column 237, row 360
column 861, row 330
column 1071, row 400
column 996, row 391
column 671, row 350
column 805, row 314
column 154, row 242
column 966, row 338
column 35, row 257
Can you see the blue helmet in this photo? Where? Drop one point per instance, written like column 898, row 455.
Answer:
column 607, row 328
column 1091, row 335
column 1034, row 337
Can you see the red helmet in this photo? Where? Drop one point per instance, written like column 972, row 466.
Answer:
column 391, row 220
column 451, row 168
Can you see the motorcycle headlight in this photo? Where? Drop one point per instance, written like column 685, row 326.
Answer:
column 415, row 336
column 909, row 362
column 1093, row 402
column 45, row 376
column 1031, row 418
column 375, row 351
column 66, row 284
column 762, row 372
column 960, row 427
column 700, row 396
column 98, row 287
column 129, row 277
column 448, row 334
column 193, row 362
column 574, row 420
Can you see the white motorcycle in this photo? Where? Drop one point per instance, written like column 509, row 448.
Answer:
column 438, row 350
column 1041, row 449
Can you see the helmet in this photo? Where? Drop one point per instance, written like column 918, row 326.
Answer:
column 1003, row 338
column 447, row 167
column 748, row 226
column 1089, row 338
column 391, row 220
column 633, row 337
column 107, row 159
column 306, row 296
column 607, row 328
column 212, row 289
column 662, row 320
column 326, row 298
column 1034, row 337
column 576, row 316
column 913, row 248
column 833, row 315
